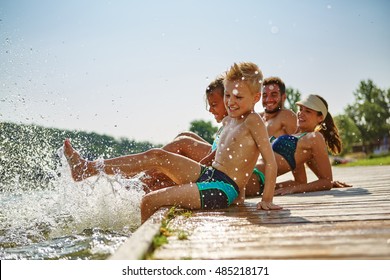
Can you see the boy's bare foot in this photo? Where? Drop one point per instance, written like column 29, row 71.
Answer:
column 78, row 165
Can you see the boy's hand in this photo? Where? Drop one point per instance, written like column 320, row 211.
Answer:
column 262, row 205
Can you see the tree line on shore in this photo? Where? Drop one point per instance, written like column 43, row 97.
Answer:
column 364, row 125
column 28, row 153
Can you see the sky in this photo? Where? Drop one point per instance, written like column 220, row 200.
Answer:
column 139, row 69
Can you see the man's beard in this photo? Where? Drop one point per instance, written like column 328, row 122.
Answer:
column 277, row 109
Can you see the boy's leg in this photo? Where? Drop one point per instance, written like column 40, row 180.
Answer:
column 155, row 180
column 185, row 196
column 180, row 169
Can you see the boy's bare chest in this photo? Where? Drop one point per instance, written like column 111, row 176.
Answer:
column 236, row 136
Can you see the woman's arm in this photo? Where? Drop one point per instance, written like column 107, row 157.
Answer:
column 319, row 164
column 290, row 187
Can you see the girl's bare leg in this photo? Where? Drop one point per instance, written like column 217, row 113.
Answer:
column 191, row 135
column 189, row 147
column 252, row 188
column 185, row 196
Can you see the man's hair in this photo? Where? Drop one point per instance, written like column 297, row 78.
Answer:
column 275, row 80
column 248, row 72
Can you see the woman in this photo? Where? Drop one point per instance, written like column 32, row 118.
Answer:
column 315, row 136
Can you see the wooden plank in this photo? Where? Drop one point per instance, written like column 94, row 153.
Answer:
column 337, row 240
column 351, row 223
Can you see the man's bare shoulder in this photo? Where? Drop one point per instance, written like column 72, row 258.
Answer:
column 286, row 113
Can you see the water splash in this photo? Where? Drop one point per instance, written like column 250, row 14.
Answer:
column 57, row 218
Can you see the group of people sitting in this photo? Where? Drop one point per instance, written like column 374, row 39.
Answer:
column 249, row 152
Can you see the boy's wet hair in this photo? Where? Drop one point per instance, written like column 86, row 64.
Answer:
column 248, row 72
column 275, row 80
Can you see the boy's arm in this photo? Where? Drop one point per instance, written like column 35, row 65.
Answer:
column 260, row 136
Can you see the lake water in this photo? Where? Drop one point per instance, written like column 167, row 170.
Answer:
column 65, row 219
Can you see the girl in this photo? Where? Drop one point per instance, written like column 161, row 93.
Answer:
column 189, row 144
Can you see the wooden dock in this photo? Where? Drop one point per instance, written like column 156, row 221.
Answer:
column 350, row 223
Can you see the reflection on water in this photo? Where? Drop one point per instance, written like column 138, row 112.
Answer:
column 68, row 220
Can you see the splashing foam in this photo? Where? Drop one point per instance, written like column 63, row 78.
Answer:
column 66, row 207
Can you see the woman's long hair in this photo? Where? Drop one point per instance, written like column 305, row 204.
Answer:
column 330, row 131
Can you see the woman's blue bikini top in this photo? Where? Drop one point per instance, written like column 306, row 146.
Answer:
column 286, row 146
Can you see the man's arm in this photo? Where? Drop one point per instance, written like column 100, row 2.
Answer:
column 289, row 121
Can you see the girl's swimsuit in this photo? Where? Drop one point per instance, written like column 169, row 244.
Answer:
column 216, row 189
column 216, row 140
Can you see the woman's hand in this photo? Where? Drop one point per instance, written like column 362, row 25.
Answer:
column 284, row 190
column 262, row 205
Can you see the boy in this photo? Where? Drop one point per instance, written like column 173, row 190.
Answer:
column 242, row 140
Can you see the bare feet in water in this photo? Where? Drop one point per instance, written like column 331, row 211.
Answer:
column 78, row 165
